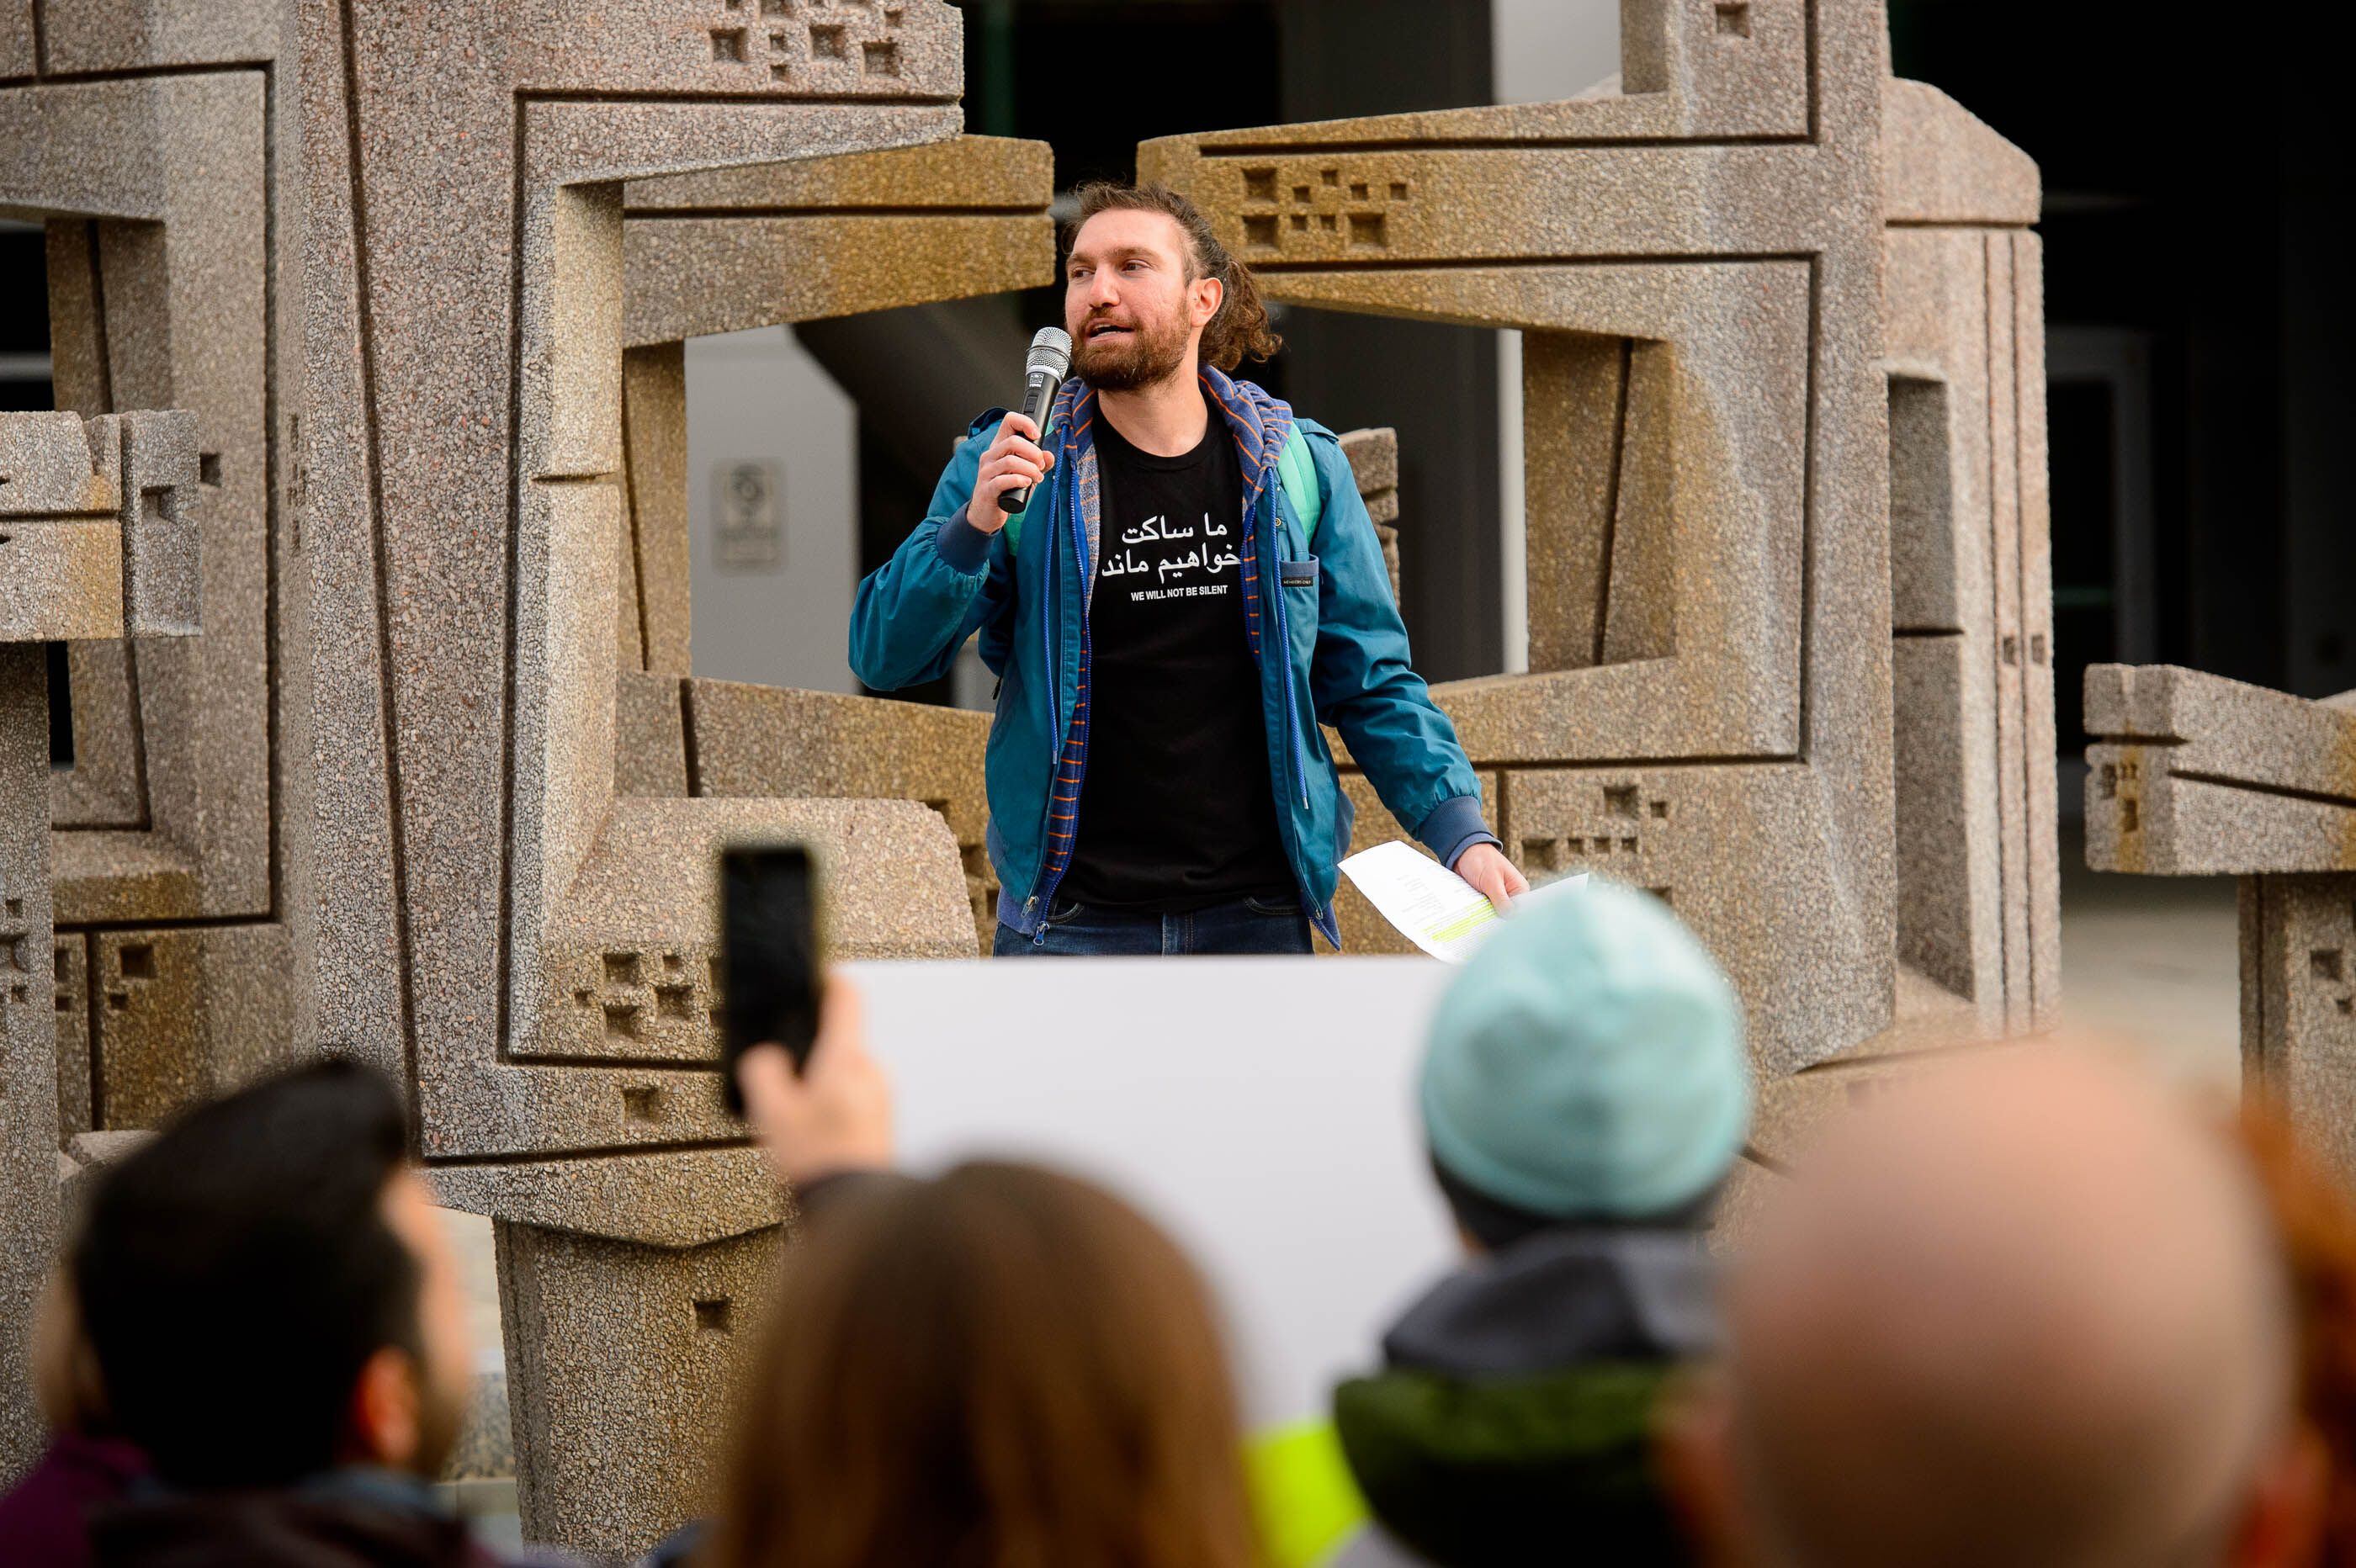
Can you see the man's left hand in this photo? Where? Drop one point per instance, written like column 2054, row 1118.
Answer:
column 1492, row 875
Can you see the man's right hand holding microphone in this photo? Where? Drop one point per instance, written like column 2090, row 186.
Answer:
column 1012, row 460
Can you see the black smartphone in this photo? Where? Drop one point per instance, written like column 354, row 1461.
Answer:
column 769, row 961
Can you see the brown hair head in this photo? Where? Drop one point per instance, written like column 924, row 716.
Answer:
column 1004, row 1368
column 1240, row 330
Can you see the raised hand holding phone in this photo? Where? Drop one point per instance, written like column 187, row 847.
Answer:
column 834, row 1113
column 794, row 1040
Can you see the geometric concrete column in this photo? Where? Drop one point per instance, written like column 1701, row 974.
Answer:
column 623, row 1346
column 2299, row 1037
column 2196, row 774
column 616, row 1353
column 93, row 544
column 28, row 1057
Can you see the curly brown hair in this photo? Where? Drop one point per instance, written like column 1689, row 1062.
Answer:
column 1239, row 330
column 2315, row 1217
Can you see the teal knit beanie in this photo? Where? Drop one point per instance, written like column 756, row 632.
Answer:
column 1588, row 1061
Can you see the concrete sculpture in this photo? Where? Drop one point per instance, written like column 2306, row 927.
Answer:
column 403, row 261
column 99, row 543
column 2194, row 774
column 498, row 919
column 437, row 788
column 1696, row 258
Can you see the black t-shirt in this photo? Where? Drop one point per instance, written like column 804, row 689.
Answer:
column 1176, row 812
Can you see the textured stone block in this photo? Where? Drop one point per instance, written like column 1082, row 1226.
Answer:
column 28, row 1061
column 632, row 971
column 161, row 544
column 99, row 538
column 2298, row 1003
column 1669, row 830
column 1979, row 898
column 17, row 55
column 782, row 48
column 654, row 618
column 1942, row 164
column 174, row 740
column 649, row 735
column 2198, row 774
column 1374, row 464
column 619, row 1354
column 183, row 1014
column 738, row 248
column 761, row 740
column 2193, row 773
column 75, row 1079
column 726, row 249
column 146, row 35
column 63, row 574
column 680, row 1199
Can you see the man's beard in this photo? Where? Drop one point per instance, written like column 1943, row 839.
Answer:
column 1152, row 351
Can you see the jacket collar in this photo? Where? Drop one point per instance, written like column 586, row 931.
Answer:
column 1259, row 422
column 1562, row 1297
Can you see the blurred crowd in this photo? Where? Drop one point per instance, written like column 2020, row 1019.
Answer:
column 2021, row 1306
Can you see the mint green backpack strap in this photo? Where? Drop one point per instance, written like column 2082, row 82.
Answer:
column 1296, row 470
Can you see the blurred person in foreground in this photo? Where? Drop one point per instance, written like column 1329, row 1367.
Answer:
column 45, row 1518
column 1584, row 1095
column 278, row 1324
column 2316, row 1216
column 2027, row 1311
column 997, row 1368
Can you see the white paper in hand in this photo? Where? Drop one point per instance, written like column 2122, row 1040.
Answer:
column 1437, row 909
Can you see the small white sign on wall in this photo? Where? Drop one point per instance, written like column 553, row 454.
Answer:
column 748, row 533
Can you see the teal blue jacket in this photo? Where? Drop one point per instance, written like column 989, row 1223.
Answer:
column 1343, row 651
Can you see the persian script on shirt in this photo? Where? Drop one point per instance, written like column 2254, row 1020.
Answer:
column 1174, row 552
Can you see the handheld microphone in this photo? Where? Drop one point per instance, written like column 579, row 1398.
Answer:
column 1044, row 369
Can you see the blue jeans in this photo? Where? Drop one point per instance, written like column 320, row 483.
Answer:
column 1246, row 926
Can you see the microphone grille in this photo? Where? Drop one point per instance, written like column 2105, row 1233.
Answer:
column 1051, row 351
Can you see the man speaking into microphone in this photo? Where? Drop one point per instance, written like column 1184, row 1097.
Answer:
column 1176, row 583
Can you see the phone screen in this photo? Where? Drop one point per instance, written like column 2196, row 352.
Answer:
column 768, row 955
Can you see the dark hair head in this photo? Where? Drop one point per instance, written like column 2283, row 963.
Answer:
column 1239, row 330
column 236, row 1273
column 1496, row 1224
column 1004, row 1368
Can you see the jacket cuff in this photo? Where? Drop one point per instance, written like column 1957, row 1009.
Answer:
column 1454, row 827
column 1455, row 852
column 962, row 546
